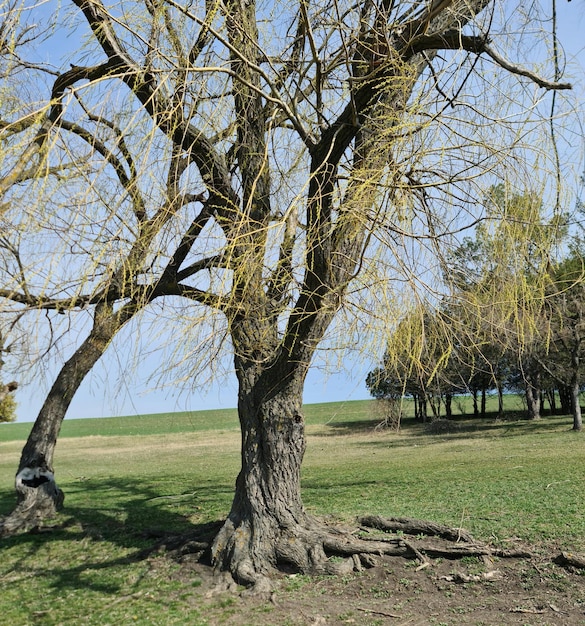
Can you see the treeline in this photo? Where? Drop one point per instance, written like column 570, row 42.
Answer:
column 513, row 320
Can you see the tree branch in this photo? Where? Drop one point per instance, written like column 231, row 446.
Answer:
column 170, row 120
column 128, row 183
column 479, row 44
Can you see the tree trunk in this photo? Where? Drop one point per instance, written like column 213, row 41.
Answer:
column 435, row 406
column 416, row 407
column 38, row 495
column 551, row 397
column 483, row 402
column 575, row 389
column 267, row 525
column 533, row 396
column 565, row 398
column 423, row 409
column 448, row 406
column 576, row 406
column 500, row 400
column 475, row 405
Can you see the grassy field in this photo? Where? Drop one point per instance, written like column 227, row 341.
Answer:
column 127, row 477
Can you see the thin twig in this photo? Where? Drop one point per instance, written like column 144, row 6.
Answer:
column 374, row 612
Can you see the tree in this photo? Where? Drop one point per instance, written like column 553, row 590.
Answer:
column 417, row 364
column 564, row 359
column 7, row 401
column 500, row 280
column 260, row 164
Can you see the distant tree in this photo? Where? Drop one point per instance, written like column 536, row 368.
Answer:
column 500, row 283
column 564, row 361
column 418, row 363
column 7, row 401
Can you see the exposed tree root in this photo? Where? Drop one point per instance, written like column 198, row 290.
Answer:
column 317, row 548
column 571, row 560
column 412, row 526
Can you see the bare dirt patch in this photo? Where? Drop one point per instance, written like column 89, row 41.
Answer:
column 528, row 592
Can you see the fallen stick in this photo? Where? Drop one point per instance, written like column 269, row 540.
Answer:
column 375, row 612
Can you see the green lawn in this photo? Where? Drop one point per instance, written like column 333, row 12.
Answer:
column 500, row 479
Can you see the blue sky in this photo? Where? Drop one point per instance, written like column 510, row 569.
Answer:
column 108, row 392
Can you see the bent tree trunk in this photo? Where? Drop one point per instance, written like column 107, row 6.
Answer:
column 38, row 495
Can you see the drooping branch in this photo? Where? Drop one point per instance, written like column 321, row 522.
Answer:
column 522, row 71
column 127, row 182
column 454, row 40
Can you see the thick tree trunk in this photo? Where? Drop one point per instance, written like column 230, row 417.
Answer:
column 267, row 525
column 38, row 494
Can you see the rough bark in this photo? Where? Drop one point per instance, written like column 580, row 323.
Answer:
column 309, row 546
column 571, row 560
column 267, row 523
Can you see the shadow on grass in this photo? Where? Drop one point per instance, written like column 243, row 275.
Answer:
column 511, row 424
column 112, row 523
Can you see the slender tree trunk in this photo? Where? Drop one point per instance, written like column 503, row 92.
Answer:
column 575, row 389
column 475, row 405
column 565, row 398
column 483, row 402
column 38, row 496
column 552, row 400
column 500, row 400
column 435, row 406
column 423, row 409
column 448, row 405
column 533, row 396
column 576, row 406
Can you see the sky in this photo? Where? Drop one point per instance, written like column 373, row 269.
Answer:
column 100, row 396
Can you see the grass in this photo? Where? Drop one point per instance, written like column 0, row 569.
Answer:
column 500, row 479
column 184, row 422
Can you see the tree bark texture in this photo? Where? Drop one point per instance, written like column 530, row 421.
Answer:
column 267, row 520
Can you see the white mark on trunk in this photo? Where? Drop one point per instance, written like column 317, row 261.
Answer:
column 33, row 477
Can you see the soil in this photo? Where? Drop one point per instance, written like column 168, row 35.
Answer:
column 397, row 591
